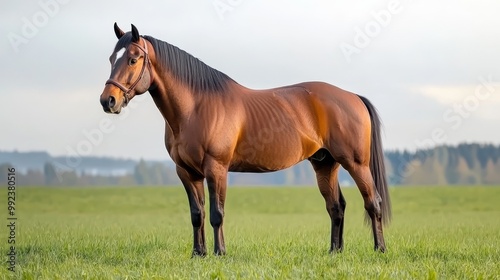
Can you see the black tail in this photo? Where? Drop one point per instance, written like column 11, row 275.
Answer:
column 377, row 165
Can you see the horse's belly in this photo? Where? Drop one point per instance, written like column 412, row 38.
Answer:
column 257, row 166
column 246, row 167
column 267, row 154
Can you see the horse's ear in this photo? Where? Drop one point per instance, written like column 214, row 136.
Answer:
column 135, row 34
column 119, row 33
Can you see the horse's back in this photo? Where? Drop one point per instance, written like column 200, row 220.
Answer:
column 326, row 109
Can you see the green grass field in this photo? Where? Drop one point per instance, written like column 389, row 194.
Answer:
column 271, row 233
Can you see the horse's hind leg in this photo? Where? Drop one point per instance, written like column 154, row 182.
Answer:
column 326, row 169
column 362, row 176
column 343, row 205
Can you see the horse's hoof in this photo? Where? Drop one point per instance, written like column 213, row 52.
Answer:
column 200, row 254
column 380, row 249
column 219, row 253
column 335, row 251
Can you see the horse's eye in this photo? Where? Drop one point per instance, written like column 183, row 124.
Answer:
column 132, row 61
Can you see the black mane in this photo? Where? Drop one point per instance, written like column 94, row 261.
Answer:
column 183, row 66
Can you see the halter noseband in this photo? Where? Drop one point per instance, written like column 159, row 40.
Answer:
column 126, row 91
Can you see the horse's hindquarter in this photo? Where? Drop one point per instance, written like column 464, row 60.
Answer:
column 279, row 129
column 343, row 120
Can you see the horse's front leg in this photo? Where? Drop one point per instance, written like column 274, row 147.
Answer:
column 196, row 196
column 216, row 174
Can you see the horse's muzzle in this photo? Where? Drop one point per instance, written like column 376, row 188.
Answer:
column 109, row 105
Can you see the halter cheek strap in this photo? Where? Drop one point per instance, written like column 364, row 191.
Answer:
column 147, row 62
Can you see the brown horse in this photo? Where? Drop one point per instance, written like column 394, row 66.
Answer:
column 214, row 125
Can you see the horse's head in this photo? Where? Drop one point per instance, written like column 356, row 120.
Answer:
column 130, row 71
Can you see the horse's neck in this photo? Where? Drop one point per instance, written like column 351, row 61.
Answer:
column 174, row 101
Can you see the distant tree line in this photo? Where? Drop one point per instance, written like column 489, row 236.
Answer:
column 51, row 175
column 465, row 164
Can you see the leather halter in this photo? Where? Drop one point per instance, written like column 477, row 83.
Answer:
column 147, row 62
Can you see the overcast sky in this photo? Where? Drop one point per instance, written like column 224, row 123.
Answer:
column 432, row 68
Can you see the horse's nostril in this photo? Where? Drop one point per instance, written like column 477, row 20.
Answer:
column 111, row 102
